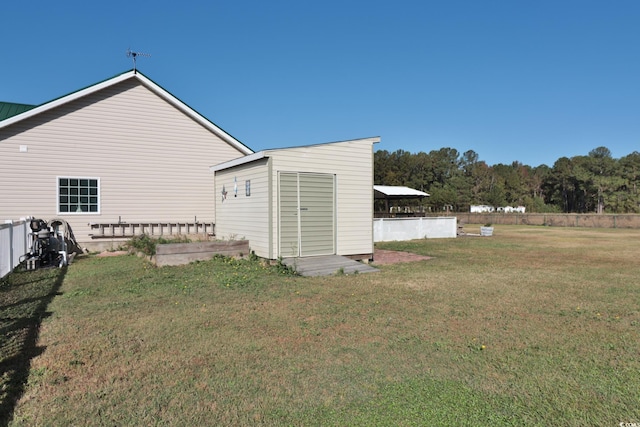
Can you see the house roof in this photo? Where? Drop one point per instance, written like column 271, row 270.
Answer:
column 26, row 113
column 10, row 109
column 397, row 192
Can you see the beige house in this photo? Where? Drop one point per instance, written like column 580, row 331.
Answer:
column 301, row 201
column 123, row 151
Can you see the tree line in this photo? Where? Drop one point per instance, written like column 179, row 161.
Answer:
column 595, row 183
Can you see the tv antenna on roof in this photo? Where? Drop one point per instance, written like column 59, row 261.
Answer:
column 134, row 55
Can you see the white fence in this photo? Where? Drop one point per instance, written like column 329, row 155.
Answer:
column 390, row 229
column 14, row 240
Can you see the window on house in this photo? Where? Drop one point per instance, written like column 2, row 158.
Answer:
column 78, row 195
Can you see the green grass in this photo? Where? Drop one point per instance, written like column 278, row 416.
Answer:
column 533, row 326
column 24, row 297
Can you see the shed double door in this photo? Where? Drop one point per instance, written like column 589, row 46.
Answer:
column 307, row 214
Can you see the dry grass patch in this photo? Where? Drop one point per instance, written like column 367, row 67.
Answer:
column 532, row 326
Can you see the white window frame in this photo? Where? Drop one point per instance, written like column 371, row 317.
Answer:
column 58, row 195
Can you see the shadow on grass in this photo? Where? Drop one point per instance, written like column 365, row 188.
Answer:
column 24, row 298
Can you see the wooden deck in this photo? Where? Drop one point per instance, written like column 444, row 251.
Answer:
column 327, row 265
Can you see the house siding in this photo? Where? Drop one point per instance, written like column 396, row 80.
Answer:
column 152, row 160
column 245, row 216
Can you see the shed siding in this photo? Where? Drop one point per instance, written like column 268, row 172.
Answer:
column 352, row 163
column 151, row 159
column 245, row 216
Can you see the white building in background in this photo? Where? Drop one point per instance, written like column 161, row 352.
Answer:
column 482, row 209
column 500, row 209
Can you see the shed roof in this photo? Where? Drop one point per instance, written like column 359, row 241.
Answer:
column 145, row 81
column 267, row 153
column 397, row 192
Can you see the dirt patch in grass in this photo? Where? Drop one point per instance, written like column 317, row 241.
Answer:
column 385, row 257
column 111, row 253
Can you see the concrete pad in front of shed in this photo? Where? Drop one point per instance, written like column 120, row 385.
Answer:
column 327, row 265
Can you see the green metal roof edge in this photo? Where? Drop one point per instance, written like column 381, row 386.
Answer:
column 83, row 88
column 10, row 109
column 65, row 95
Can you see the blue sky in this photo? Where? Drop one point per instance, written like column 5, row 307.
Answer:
column 530, row 81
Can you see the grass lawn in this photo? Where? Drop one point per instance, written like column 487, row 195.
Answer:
column 533, row 326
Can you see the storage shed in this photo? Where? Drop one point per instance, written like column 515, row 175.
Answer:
column 301, row 201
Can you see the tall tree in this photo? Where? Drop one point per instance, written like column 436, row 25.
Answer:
column 513, row 182
column 604, row 178
column 630, row 172
column 563, row 184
